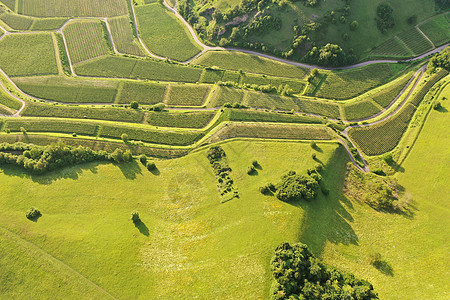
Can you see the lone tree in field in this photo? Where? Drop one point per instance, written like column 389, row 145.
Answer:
column 135, row 217
column 134, row 105
column 33, row 213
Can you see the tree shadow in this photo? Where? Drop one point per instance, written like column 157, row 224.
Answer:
column 69, row 172
column 384, row 267
column 327, row 219
column 155, row 171
column 35, row 219
column 253, row 173
column 142, row 227
column 442, row 109
column 257, row 166
column 317, row 148
column 130, row 169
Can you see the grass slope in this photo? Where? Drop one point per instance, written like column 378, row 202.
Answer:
column 190, row 244
column 415, row 249
column 164, row 34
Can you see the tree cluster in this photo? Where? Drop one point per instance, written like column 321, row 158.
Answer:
column 294, row 187
column 217, row 158
column 385, row 19
column 40, row 159
column 298, row 274
column 440, row 60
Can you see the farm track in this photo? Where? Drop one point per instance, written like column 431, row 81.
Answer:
column 54, row 259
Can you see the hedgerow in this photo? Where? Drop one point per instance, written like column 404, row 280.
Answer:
column 218, row 160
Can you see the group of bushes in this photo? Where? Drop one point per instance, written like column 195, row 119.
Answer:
column 294, row 187
column 150, row 165
column 40, row 159
column 217, row 158
column 298, row 274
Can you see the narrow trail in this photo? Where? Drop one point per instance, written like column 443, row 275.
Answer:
column 52, row 258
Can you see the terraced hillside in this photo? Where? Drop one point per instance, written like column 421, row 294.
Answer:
column 119, row 103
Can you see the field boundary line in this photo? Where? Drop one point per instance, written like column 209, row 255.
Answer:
column 425, row 36
column 51, row 257
column 57, row 55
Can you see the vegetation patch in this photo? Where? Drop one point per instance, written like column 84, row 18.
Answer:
column 437, row 29
column 180, row 120
column 142, row 92
column 50, row 125
column 218, row 160
column 360, row 110
column 85, row 40
column 83, row 112
column 416, row 41
column 36, row 55
column 74, row 8
column 124, row 67
column 164, row 34
column 298, row 274
column 347, row 84
column 122, row 36
column 383, row 137
column 318, row 107
column 223, row 95
column 68, row 90
column 186, row 95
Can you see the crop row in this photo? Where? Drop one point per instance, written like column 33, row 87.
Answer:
column 437, row 29
column 68, row 90
column 415, row 41
column 85, row 40
column 122, row 36
column 268, row 101
column 186, row 95
column 16, row 21
column 236, row 61
column 360, row 110
column 180, row 120
column 424, row 90
column 153, row 136
column 46, row 125
column 124, row 67
column 142, row 92
column 388, row 94
column 28, row 54
column 242, row 115
column 392, row 47
column 272, row 131
column 383, row 137
column 347, row 84
column 319, row 108
column 74, row 8
column 81, row 112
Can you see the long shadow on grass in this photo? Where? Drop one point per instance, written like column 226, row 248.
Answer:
column 327, row 218
column 142, row 228
column 130, row 169
column 69, row 172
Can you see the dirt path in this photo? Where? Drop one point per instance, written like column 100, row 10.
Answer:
column 57, row 261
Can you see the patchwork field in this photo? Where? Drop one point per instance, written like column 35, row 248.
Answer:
column 85, row 40
column 36, row 55
column 163, row 33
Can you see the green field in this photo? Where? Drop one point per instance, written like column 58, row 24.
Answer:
column 186, row 95
column 142, row 92
column 383, row 137
column 122, row 36
column 68, row 90
column 164, row 34
column 231, row 60
column 437, row 29
column 47, row 24
column 36, row 55
column 83, row 112
column 123, row 67
column 180, row 120
column 85, row 40
column 347, row 84
column 414, row 248
column 15, row 21
column 360, row 110
column 73, row 8
column 223, row 95
column 416, row 41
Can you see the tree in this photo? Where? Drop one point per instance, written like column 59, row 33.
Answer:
column 385, row 19
column 33, row 213
column 117, row 155
column 134, row 105
column 124, row 137
column 354, row 25
column 314, row 72
column 135, row 217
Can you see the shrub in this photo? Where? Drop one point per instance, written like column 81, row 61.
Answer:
column 318, row 167
column 117, row 155
column 157, row 107
column 379, row 172
column 135, row 217
column 74, row 134
column 251, row 170
column 374, row 258
column 33, row 213
column 124, row 137
column 314, row 156
column 437, row 105
column 151, row 166
column 143, row 159
column 354, row 25
column 127, row 156
column 389, row 159
column 134, row 105
column 23, row 130
column 255, row 163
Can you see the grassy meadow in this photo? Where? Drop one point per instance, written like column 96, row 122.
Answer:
column 164, row 34
column 189, row 243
